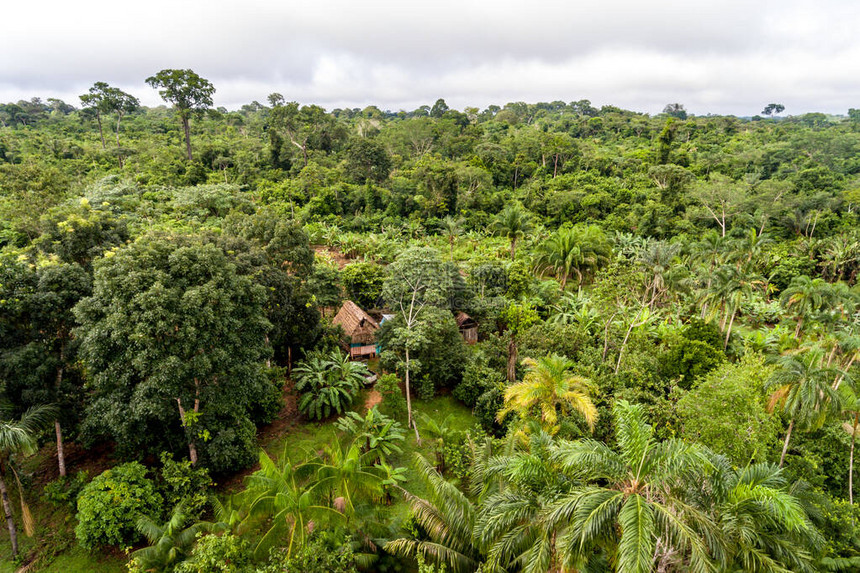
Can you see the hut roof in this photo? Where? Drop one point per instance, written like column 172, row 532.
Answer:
column 464, row 320
column 352, row 319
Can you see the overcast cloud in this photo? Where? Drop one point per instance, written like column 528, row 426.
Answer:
column 713, row 56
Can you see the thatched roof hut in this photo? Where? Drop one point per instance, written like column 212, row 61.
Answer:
column 359, row 327
column 468, row 327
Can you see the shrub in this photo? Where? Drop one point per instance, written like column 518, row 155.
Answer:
column 109, row 506
column 218, row 554
column 328, row 384
column 477, row 379
column 317, row 556
column 393, row 402
column 486, row 409
column 687, row 360
column 182, row 483
column 65, row 490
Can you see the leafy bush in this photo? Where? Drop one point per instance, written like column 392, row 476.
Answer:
column 328, row 384
column 706, row 332
column 393, row 401
column 182, row 483
column 477, row 379
column 486, row 409
column 375, row 433
column 688, row 360
column 65, row 490
column 317, row 556
column 109, row 506
column 218, row 554
column 363, row 283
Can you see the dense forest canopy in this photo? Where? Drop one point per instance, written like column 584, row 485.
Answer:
column 662, row 378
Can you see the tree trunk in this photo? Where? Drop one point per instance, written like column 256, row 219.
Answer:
column 797, row 330
column 192, row 445
column 101, row 131
column 118, row 146
column 851, row 462
column 785, row 446
column 61, row 455
column 513, row 247
column 187, row 129
column 410, row 421
column 512, row 359
column 729, row 331
column 7, row 509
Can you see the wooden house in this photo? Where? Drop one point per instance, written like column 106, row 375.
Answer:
column 468, row 327
column 359, row 327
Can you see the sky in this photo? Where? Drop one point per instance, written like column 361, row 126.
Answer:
column 712, row 56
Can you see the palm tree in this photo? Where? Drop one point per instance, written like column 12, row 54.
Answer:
column 512, row 222
column 662, row 265
column 282, row 497
column 452, row 228
column 345, row 474
column 804, row 296
column 170, row 542
column 513, row 523
column 631, row 502
column 19, row 437
column 851, row 410
column 441, row 433
column 803, row 390
column 448, row 517
column 762, row 525
column 550, row 388
column 573, row 251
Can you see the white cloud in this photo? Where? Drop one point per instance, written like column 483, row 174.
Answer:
column 715, row 56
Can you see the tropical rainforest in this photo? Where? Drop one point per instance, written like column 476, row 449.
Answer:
column 665, row 375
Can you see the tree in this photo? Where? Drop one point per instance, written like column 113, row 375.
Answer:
column 773, row 109
column 328, row 383
column 513, row 222
column 19, row 437
column 448, row 517
column 310, row 127
column 851, row 411
column 550, row 389
column 170, row 543
column 417, row 278
column 675, row 110
column 579, row 251
column 804, row 392
column 189, row 93
column 282, row 498
column 722, row 198
column 173, row 327
column 804, row 296
column 632, row 498
column 452, row 227
column 103, row 98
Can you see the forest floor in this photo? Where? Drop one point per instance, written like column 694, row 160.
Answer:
column 54, row 549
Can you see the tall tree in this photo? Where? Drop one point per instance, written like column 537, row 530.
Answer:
column 513, row 222
column 578, row 251
column 189, row 93
column 175, row 340
column 103, row 98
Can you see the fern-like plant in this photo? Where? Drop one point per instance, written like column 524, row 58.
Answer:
column 328, row 384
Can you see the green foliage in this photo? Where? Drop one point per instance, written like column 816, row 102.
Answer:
column 183, row 484
column 688, row 360
column 109, row 506
column 317, row 556
column 477, row 379
column 225, row 553
column 487, row 409
column 375, row 433
column 393, row 401
column 727, row 411
column 363, row 283
column 64, row 491
column 328, row 384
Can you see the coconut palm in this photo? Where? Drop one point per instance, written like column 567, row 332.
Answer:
column 763, row 527
column 170, row 543
column 576, row 251
column 345, row 475
column 451, row 228
column 632, row 503
column 803, row 390
column 19, row 437
column 804, row 296
column 851, row 411
column 512, row 222
column 548, row 389
column 448, row 518
column 282, row 497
